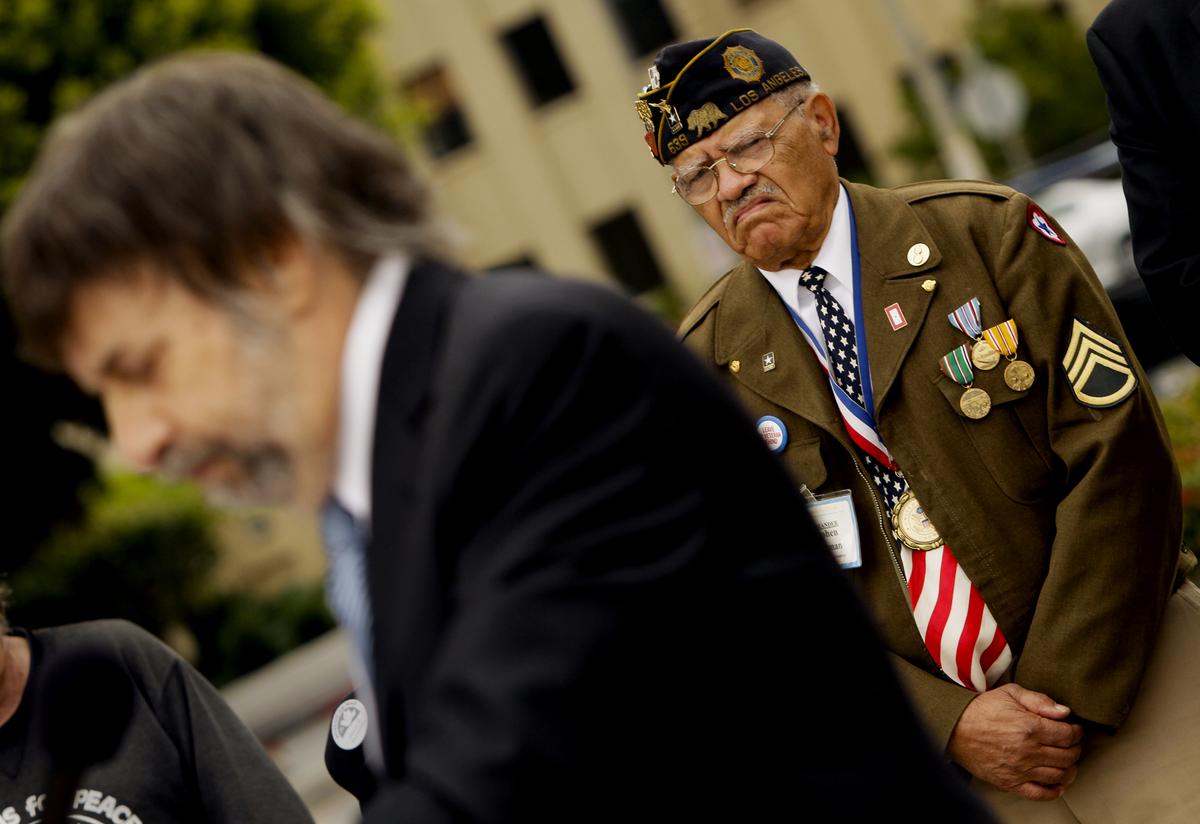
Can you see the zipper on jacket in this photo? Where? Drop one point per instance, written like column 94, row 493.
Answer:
column 887, row 540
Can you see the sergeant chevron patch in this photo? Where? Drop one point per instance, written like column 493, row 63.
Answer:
column 1097, row 368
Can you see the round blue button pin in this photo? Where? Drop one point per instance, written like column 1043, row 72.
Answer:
column 773, row 432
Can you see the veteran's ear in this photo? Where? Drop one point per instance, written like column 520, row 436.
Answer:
column 821, row 112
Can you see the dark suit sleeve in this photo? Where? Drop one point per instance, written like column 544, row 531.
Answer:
column 570, row 530
column 616, row 648
column 1160, row 171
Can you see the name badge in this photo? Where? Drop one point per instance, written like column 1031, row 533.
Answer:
column 834, row 516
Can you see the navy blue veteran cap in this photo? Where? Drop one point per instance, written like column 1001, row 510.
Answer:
column 696, row 85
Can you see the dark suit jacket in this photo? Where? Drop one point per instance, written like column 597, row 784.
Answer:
column 597, row 596
column 1148, row 55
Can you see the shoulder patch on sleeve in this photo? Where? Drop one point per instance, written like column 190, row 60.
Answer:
column 1097, row 368
column 926, row 190
column 1041, row 224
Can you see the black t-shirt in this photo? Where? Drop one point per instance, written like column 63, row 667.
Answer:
column 185, row 756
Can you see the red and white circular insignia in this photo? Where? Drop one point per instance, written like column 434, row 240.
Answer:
column 1041, row 224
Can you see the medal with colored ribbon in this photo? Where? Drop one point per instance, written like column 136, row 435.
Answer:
column 1003, row 338
column 967, row 320
column 956, row 365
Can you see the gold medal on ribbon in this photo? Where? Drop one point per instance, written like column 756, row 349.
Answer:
column 984, row 356
column 968, row 320
column 1018, row 375
column 975, row 403
column 956, row 365
column 912, row 526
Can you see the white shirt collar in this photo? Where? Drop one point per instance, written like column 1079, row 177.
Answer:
column 835, row 256
column 362, row 363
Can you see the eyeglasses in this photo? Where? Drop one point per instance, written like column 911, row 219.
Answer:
column 698, row 186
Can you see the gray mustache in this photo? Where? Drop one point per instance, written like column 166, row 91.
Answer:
column 757, row 190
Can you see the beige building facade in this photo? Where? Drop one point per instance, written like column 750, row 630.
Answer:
column 535, row 150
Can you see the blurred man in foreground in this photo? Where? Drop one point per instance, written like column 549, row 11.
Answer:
column 939, row 367
column 564, row 610
column 181, row 755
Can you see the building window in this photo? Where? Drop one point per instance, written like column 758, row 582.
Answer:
column 645, row 24
column 541, row 67
column 443, row 126
column 627, row 252
column 525, row 263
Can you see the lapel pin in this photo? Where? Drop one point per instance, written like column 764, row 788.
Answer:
column 918, row 253
column 895, row 316
column 773, row 432
column 735, row 366
column 768, row 361
column 929, row 285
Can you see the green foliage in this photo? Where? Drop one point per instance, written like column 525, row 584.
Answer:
column 238, row 633
column 917, row 146
column 144, row 552
column 1182, row 415
column 664, row 302
column 56, row 53
column 1046, row 51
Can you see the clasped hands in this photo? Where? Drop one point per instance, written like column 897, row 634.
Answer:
column 1018, row 740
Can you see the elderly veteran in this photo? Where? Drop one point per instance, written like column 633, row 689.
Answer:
column 942, row 373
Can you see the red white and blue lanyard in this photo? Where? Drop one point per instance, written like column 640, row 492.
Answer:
column 859, row 421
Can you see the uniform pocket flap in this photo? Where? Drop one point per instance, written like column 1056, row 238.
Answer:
column 991, row 382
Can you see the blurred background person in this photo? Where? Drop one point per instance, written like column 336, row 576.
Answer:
column 183, row 755
column 1148, row 56
column 561, row 606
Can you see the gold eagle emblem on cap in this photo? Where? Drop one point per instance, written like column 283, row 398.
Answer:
column 743, row 64
column 1097, row 368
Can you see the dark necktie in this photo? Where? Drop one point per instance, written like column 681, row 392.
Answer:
column 838, row 331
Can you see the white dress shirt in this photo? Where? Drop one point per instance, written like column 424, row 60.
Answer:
column 362, row 363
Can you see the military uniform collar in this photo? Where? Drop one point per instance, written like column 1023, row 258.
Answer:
column 887, row 229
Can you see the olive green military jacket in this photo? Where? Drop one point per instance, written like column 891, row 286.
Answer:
column 1061, row 505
